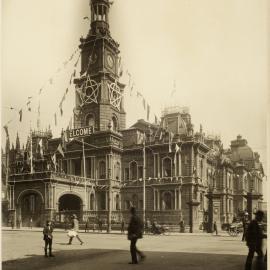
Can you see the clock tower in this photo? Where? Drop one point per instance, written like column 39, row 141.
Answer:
column 99, row 94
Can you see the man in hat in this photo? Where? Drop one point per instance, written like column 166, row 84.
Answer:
column 135, row 231
column 47, row 237
column 254, row 237
column 75, row 229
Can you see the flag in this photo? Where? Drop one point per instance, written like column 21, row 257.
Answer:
column 20, row 113
column 177, row 148
column 60, row 150
column 170, row 141
column 129, row 78
column 148, row 112
column 131, row 88
column 61, row 110
column 65, row 136
column 77, row 61
column 55, row 119
column 156, row 119
column 6, row 130
column 161, row 135
column 40, row 147
column 144, row 103
column 70, row 123
column 54, row 159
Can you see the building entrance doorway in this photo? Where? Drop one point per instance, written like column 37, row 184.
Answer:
column 70, row 204
column 31, row 209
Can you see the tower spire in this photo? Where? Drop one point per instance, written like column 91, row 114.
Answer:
column 99, row 16
column 18, row 143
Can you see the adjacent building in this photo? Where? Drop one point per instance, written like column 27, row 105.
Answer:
column 100, row 169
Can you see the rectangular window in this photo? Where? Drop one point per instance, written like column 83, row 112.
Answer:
column 126, row 173
column 64, row 166
column 140, row 168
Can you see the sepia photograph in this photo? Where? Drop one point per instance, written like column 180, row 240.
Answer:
column 134, row 134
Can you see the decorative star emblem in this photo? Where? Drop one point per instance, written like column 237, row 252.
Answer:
column 115, row 95
column 88, row 92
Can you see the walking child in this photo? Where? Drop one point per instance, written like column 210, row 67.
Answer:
column 74, row 230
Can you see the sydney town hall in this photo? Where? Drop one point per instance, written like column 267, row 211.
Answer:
column 99, row 168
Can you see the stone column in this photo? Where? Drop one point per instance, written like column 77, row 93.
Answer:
column 175, row 199
column 154, row 190
column 179, row 199
column 158, row 200
column 180, row 164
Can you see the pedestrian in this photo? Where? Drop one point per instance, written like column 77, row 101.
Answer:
column 148, row 226
column 215, row 228
column 47, row 237
column 100, row 225
column 87, row 226
column 94, row 226
column 31, row 223
column 123, row 226
column 65, row 223
column 135, row 232
column 245, row 226
column 12, row 223
column 74, row 230
column 182, row 226
column 254, row 237
column 19, row 223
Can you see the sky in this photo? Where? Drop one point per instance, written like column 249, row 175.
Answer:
column 214, row 53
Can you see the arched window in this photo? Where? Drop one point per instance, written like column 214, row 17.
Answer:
column 92, row 201
column 90, row 120
column 102, row 170
column 167, row 167
column 117, row 170
column 114, row 123
column 133, row 170
column 117, row 202
column 135, row 201
column 167, row 201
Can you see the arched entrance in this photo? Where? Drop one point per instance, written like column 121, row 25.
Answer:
column 68, row 205
column 30, row 210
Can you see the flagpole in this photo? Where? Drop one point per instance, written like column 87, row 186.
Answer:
column 31, row 151
column 144, row 171
column 84, row 175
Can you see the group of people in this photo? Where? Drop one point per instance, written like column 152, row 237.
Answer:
column 135, row 232
column 253, row 234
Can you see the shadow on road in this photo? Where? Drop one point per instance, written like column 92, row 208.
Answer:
column 118, row 260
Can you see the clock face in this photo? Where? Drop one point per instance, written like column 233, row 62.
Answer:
column 93, row 58
column 110, row 61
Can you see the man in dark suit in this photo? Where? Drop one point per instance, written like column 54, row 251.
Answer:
column 254, row 236
column 135, row 232
column 47, row 237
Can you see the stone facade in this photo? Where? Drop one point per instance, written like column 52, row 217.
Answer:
column 186, row 175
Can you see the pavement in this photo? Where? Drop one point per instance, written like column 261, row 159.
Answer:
column 23, row 249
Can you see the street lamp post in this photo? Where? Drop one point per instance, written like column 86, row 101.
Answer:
column 144, row 174
column 84, row 175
